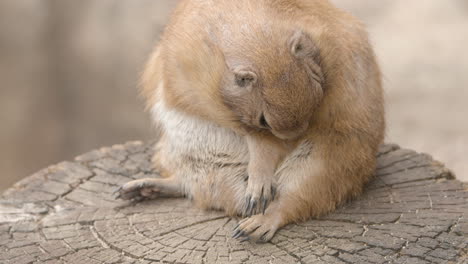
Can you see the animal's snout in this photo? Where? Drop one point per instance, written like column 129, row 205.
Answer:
column 292, row 132
column 282, row 128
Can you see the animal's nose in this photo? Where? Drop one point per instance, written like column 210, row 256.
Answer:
column 291, row 132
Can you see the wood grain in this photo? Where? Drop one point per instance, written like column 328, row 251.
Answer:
column 413, row 211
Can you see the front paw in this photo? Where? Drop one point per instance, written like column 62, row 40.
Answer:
column 258, row 196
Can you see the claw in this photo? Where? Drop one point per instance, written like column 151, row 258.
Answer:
column 238, row 233
column 262, row 237
column 264, row 206
column 117, row 190
column 258, row 202
column 138, row 199
column 253, row 206
column 249, row 204
column 117, row 193
column 245, row 239
column 128, row 196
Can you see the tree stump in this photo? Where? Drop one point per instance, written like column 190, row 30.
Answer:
column 413, row 211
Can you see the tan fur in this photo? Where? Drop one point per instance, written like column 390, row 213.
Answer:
column 254, row 95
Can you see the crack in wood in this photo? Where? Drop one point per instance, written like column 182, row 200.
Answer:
column 412, row 210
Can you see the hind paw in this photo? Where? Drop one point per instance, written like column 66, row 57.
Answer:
column 137, row 190
column 258, row 228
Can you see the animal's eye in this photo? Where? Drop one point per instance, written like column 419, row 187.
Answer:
column 245, row 78
column 298, row 48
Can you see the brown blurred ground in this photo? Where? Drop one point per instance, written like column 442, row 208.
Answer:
column 68, row 72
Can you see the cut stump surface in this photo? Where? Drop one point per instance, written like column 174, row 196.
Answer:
column 413, row 211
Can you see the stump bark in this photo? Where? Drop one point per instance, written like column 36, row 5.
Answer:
column 413, row 211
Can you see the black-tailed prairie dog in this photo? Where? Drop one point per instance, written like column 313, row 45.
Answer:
column 271, row 110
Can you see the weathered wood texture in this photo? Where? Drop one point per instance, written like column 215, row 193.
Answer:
column 412, row 212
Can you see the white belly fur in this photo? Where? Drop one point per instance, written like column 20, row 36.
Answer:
column 199, row 138
column 210, row 161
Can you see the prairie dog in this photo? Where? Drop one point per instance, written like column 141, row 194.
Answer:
column 267, row 109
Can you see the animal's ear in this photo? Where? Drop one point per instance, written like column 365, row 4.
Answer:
column 304, row 48
column 244, row 78
column 302, row 45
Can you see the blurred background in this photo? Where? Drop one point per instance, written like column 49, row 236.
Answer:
column 69, row 71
